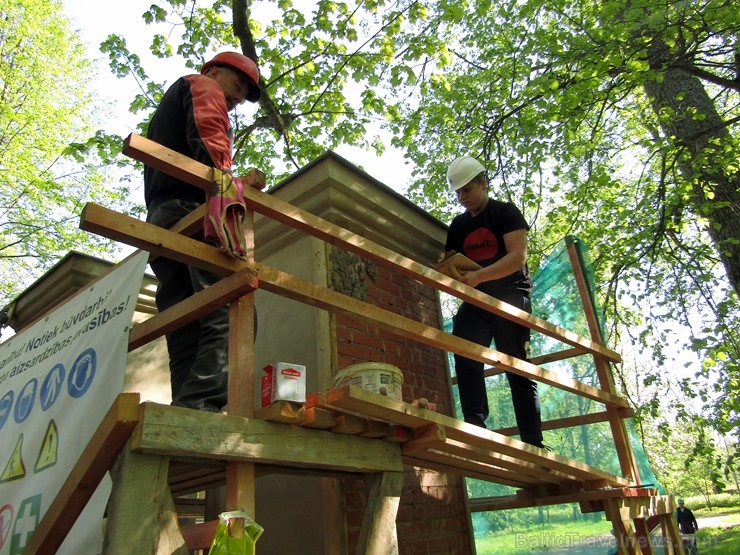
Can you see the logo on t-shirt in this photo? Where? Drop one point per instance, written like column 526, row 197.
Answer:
column 480, row 244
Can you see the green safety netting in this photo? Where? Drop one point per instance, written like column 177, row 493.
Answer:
column 555, row 298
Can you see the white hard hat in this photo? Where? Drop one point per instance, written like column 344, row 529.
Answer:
column 462, row 171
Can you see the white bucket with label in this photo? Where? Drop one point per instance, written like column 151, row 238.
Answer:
column 378, row 377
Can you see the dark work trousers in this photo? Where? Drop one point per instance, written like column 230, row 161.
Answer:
column 480, row 326
column 198, row 350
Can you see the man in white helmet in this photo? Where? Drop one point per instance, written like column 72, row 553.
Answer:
column 193, row 119
column 493, row 234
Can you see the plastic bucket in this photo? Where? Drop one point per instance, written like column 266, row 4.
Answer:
column 378, row 377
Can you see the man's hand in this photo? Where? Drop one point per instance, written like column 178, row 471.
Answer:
column 471, row 278
column 254, row 178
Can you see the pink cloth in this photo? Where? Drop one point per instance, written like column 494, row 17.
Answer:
column 226, row 210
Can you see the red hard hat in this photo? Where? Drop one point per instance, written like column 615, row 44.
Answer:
column 242, row 64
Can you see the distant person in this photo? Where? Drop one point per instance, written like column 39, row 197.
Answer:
column 685, row 519
column 687, row 526
column 493, row 234
column 193, row 119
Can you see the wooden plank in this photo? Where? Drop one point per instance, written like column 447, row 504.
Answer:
column 240, row 488
column 570, row 421
column 556, row 356
column 468, row 470
column 240, row 475
column 373, row 428
column 623, row 531
column 200, row 535
column 626, row 457
column 397, row 412
column 183, row 432
column 673, row 542
column 156, row 240
column 436, row 440
column 515, row 502
column 141, row 513
column 301, row 220
column 462, row 466
column 169, row 161
column 118, row 226
column 643, row 536
column 192, row 308
column 424, row 438
column 284, row 284
column 490, row 371
column 348, row 424
column 189, row 225
column 542, row 473
column 378, row 534
column 156, row 156
column 94, row 462
column 283, row 412
column 199, row 478
column 318, row 418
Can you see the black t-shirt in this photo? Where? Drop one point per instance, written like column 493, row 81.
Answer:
column 481, row 238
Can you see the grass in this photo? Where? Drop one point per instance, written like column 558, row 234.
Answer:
column 721, row 538
column 719, row 541
column 541, row 538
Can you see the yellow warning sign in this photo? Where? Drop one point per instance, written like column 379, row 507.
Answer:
column 48, row 452
column 15, row 468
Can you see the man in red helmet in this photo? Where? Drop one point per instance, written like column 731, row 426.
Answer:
column 193, row 119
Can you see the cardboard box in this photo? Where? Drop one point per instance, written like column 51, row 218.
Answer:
column 283, row 381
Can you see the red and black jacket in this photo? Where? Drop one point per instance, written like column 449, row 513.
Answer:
column 192, row 119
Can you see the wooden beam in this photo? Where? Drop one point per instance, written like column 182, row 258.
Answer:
column 156, row 240
column 193, row 172
column 289, row 286
column 127, row 229
column 570, row 421
column 516, row 502
column 626, row 457
column 378, row 534
column 240, row 488
column 200, row 536
column 168, row 161
column 491, row 371
column 304, row 221
column 372, row 405
column 93, row 464
column 182, row 432
column 141, row 513
column 192, row 308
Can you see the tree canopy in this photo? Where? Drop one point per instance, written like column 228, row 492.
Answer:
column 612, row 120
column 44, row 127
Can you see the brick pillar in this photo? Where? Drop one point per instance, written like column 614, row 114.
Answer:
column 432, row 517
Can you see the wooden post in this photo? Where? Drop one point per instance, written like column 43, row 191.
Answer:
column 671, row 536
column 141, row 513
column 642, row 531
column 240, row 477
column 378, row 535
column 627, row 543
column 603, row 370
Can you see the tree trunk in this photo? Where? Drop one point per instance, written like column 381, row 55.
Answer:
column 706, row 152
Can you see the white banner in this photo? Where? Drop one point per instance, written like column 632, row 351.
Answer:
column 58, row 378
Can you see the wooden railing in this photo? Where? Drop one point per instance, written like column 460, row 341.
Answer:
column 436, row 441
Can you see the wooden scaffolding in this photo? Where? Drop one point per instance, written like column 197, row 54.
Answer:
column 157, row 453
